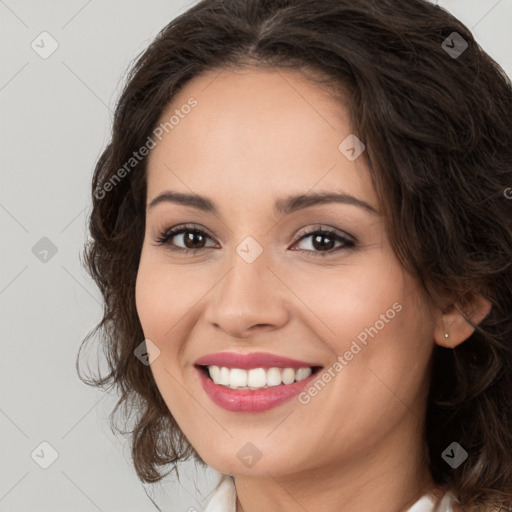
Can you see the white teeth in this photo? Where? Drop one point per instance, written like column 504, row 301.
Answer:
column 215, row 373
column 273, row 377
column 237, row 378
column 288, row 375
column 257, row 378
column 223, row 377
column 303, row 373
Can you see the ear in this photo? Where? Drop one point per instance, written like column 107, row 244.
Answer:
column 453, row 321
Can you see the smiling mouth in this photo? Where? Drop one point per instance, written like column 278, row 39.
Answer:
column 256, row 378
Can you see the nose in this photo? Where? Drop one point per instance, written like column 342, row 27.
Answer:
column 249, row 299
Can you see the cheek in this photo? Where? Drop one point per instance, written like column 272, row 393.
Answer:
column 379, row 324
column 344, row 301
column 162, row 298
column 378, row 318
column 147, row 292
column 162, row 312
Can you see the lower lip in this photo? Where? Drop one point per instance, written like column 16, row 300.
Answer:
column 246, row 400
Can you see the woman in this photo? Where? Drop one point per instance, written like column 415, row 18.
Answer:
column 302, row 234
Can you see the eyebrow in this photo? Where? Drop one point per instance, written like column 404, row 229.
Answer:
column 282, row 207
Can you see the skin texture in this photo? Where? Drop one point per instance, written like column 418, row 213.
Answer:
column 257, row 135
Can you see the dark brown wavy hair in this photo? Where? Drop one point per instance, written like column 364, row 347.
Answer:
column 438, row 138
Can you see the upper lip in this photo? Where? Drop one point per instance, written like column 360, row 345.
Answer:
column 252, row 360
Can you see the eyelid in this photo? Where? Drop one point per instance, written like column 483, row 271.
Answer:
column 323, row 227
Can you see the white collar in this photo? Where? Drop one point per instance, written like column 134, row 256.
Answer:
column 224, row 500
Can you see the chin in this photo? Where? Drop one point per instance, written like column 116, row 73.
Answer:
column 232, row 463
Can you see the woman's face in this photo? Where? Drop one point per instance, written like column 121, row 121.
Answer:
column 265, row 278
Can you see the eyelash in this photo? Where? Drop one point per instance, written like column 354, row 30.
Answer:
column 166, row 236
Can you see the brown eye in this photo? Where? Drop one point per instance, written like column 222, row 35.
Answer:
column 187, row 239
column 323, row 241
column 193, row 239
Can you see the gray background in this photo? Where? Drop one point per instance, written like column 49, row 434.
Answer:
column 55, row 117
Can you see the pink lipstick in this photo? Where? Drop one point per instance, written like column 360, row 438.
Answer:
column 253, row 382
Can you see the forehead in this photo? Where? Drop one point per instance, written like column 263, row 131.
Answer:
column 254, row 130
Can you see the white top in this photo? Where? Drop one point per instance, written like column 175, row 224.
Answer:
column 224, row 500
